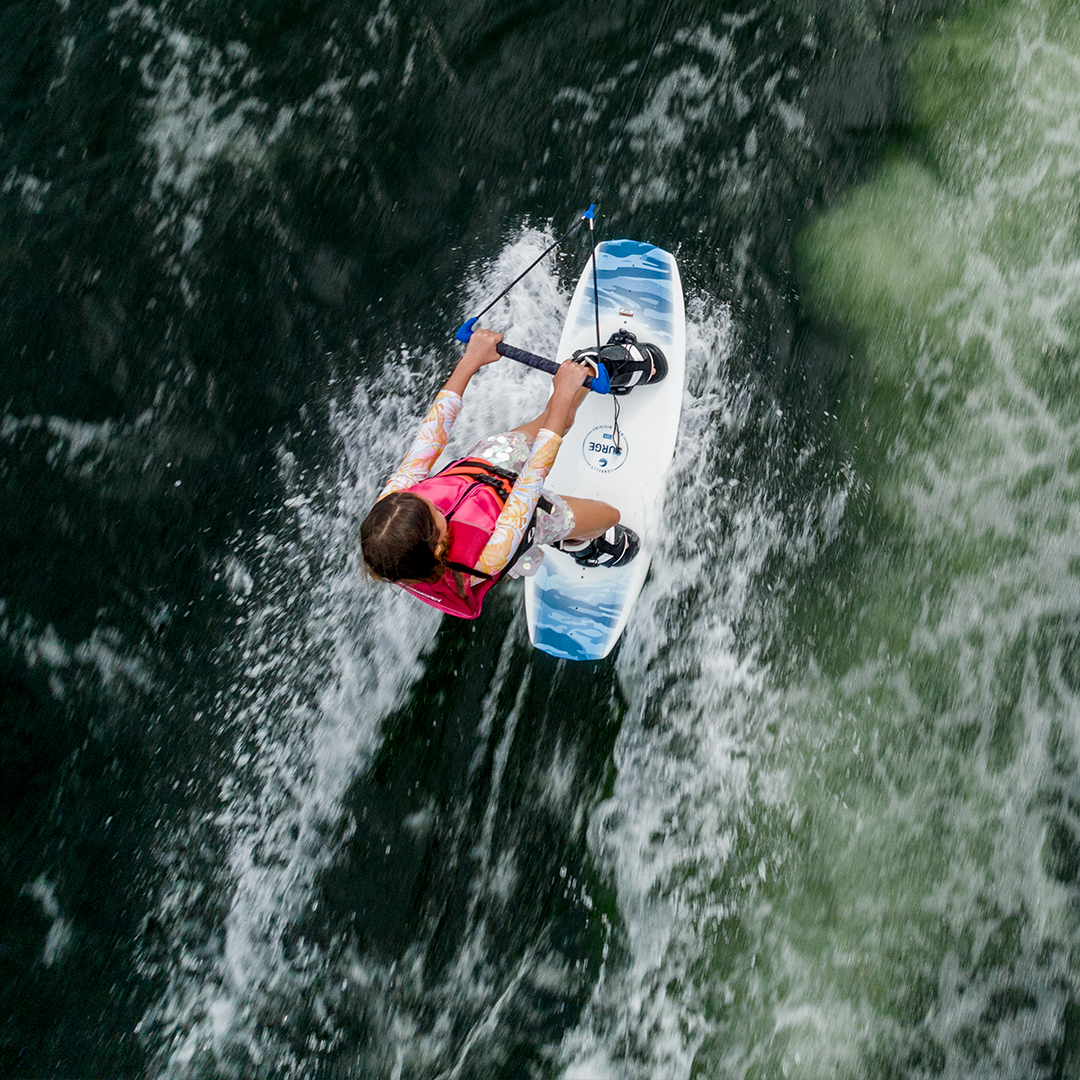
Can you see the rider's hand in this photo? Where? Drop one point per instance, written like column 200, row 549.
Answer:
column 481, row 349
column 570, row 377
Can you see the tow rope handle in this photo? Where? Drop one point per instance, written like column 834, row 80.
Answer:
column 600, row 384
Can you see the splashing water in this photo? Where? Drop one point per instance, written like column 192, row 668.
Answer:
column 818, row 815
column 324, row 655
column 907, row 781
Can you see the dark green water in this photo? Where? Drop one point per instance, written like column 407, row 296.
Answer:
column 819, row 814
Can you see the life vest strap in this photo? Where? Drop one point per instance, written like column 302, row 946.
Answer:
column 471, row 570
column 501, row 480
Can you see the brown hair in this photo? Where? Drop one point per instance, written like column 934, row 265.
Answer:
column 399, row 539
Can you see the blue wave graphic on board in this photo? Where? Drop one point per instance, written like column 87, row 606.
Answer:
column 628, row 272
column 575, row 618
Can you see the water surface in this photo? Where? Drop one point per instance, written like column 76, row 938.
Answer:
column 818, row 814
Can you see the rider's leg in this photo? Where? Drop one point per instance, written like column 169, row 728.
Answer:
column 592, row 518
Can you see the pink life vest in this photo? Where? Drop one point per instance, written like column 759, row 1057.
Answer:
column 470, row 493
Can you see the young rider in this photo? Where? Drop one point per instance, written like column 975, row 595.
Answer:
column 447, row 538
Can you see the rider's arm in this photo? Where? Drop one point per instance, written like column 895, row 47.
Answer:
column 428, row 444
column 518, row 511
column 434, row 432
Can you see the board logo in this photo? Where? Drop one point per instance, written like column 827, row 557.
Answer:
column 600, row 452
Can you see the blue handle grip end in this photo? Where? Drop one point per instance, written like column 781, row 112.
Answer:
column 464, row 331
column 601, row 383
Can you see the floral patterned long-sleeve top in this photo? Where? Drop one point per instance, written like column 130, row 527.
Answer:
column 510, row 527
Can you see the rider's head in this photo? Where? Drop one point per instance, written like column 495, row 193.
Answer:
column 402, row 540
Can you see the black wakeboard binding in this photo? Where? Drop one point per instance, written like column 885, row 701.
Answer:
column 616, row 547
column 629, row 362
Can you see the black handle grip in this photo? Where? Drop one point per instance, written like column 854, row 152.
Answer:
column 534, row 361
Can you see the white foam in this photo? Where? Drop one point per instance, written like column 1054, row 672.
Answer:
column 32, row 191
column 103, row 653
column 79, row 435
column 197, row 110
column 322, row 655
column 678, row 770
column 73, row 437
column 60, row 934
column 203, row 105
column 927, row 824
column 696, row 691
column 683, row 102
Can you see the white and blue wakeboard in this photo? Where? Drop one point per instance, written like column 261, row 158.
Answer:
column 577, row 612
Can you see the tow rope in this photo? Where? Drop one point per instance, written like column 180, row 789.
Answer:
column 464, row 331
